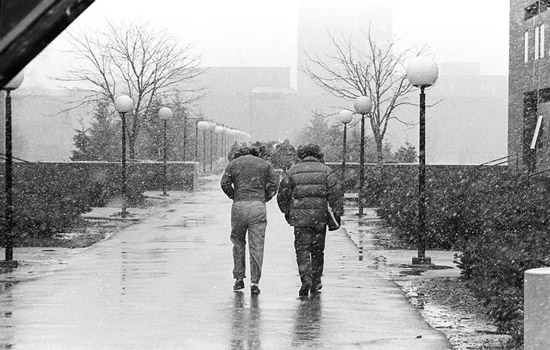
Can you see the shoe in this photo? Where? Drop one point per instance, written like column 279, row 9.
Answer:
column 304, row 290
column 239, row 285
column 316, row 287
column 254, row 289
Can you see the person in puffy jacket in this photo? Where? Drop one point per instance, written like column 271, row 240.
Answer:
column 250, row 182
column 305, row 192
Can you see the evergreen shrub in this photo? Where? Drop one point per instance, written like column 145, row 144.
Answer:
column 497, row 220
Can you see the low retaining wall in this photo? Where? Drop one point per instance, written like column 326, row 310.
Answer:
column 391, row 170
column 180, row 175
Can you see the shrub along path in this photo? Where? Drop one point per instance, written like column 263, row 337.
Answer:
column 439, row 294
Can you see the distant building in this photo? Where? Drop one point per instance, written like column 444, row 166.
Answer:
column 262, row 100
column 257, row 100
column 529, row 92
column 42, row 128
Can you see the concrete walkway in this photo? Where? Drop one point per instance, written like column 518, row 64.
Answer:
column 165, row 283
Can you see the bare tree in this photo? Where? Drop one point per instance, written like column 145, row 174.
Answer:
column 137, row 60
column 376, row 71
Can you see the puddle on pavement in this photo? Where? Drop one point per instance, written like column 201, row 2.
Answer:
column 189, row 222
column 415, row 272
column 380, row 263
column 5, row 285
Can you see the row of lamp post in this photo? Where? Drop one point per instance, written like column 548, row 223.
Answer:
column 124, row 105
column 422, row 72
column 218, row 130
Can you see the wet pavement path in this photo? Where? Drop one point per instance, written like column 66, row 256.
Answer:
column 166, row 283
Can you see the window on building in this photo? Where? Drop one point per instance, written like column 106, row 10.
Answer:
column 542, row 40
column 537, row 42
column 530, row 118
column 536, row 8
column 531, row 11
column 536, row 142
column 544, row 95
column 526, row 47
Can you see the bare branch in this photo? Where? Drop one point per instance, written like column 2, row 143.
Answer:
column 375, row 71
column 137, row 60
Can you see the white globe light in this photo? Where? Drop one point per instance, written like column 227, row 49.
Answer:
column 345, row 116
column 218, row 129
column 15, row 82
column 362, row 105
column 224, row 130
column 202, row 125
column 422, row 71
column 165, row 113
column 124, row 104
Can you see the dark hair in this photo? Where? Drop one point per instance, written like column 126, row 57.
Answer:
column 243, row 151
column 311, row 149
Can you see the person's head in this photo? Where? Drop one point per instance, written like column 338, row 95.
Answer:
column 243, row 151
column 310, row 150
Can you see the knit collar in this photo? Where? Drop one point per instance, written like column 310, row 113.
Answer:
column 310, row 159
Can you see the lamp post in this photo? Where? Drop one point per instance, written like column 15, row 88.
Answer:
column 230, row 140
column 211, row 127
column 422, row 72
column 224, row 141
column 197, row 121
column 184, row 136
column 219, row 132
column 363, row 106
column 203, row 125
column 345, row 117
column 123, row 105
column 8, row 236
column 165, row 114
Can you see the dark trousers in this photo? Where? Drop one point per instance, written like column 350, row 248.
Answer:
column 309, row 243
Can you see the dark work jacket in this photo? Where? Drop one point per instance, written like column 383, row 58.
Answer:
column 249, row 178
column 306, row 189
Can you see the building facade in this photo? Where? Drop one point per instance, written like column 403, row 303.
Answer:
column 529, row 85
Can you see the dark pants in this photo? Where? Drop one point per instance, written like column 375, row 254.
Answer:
column 309, row 243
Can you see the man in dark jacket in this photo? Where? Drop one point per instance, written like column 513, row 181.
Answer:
column 250, row 182
column 305, row 192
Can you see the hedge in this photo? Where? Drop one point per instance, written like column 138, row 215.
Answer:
column 49, row 198
column 498, row 220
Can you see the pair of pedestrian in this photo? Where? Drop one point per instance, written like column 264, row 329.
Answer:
column 308, row 190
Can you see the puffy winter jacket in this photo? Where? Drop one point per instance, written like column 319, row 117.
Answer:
column 305, row 190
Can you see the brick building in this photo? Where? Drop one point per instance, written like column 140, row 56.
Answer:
column 529, row 84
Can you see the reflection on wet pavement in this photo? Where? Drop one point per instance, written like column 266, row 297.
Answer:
column 308, row 323
column 246, row 323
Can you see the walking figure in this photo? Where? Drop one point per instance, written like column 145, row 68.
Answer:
column 306, row 191
column 250, row 182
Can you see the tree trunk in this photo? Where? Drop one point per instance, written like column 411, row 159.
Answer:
column 379, row 150
column 131, row 148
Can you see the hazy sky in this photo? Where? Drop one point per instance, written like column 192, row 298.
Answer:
column 263, row 32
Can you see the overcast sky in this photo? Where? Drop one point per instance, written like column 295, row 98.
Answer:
column 229, row 33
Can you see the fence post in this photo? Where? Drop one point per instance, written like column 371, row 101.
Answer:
column 537, row 309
